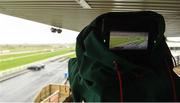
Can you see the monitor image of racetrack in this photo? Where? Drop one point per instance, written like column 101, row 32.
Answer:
column 128, row 40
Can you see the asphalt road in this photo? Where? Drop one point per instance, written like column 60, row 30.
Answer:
column 24, row 88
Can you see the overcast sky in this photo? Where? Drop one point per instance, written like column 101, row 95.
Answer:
column 17, row 31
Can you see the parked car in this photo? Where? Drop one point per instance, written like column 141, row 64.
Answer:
column 36, row 67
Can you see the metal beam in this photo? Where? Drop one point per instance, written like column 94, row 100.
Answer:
column 83, row 4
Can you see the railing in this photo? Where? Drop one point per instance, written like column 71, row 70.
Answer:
column 177, row 65
column 177, row 60
column 53, row 93
column 4, row 75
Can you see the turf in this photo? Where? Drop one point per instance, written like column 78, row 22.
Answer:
column 118, row 41
column 17, row 55
column 4, row 65
column 16, row 48
column 72, row 56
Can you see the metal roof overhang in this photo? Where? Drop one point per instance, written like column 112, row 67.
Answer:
column 76, row 14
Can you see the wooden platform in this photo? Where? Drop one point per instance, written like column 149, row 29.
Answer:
column 53, row 93
column 177, row 71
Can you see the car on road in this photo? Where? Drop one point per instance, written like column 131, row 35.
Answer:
column 36, row 67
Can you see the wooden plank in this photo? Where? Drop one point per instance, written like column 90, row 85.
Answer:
column 177, row 71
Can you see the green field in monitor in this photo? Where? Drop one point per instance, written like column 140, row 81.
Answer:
column 119, row 41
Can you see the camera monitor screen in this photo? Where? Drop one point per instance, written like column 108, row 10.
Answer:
column 128, row 40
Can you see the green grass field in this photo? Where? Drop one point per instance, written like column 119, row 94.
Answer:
column 118, row 41
column 18, row 55
column 4, row 65
column 27, row 47
column 72, row 55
